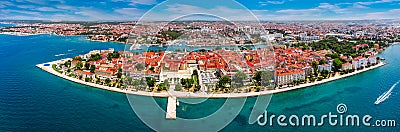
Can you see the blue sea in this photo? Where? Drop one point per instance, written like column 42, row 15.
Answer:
column 5, row 25
column 33, row 100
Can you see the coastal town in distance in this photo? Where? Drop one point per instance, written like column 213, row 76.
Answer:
column 271, row 58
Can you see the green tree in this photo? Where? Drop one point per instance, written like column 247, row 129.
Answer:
column 314, row 65
column 223, row 81
column 238, row 79
column 335, row 55
column 178, row 87
column 189, row 82
column 109, row 57
column 312, row 79
column 322, row 61
column 172, row 34
column 97, row 80
column 263, row 78
column 325, row 73
column 140, row 67
column 166, row 83
column 195, row 77
column 87, row 65
column 195, row 73
column 108, row 81
column 95, row 57
column 119, row 73
column 337, row 64
column 161, row 86
column 77, row 58
column 152, row 69
column 183, row 82
column 353, row 55
column 92, row 68
column 114, row 54
column 67, row 63
column 79, row 65
column 150, row 81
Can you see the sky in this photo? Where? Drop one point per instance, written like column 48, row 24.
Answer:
column 128, row 10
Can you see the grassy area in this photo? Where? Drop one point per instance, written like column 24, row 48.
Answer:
column 71, row 75
column 195, row 79
column 173, row 34
column 54, row 66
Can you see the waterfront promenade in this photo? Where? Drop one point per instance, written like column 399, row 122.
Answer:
column 47, row 67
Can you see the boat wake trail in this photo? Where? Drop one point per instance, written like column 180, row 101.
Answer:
column 386, row 94
column 62, row 54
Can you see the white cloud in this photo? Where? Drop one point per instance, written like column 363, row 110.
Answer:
column 177, row 10
column 128, row 11
column 4, row 4
column 259, row 11
column 324, row 8
column 47, row 9
column 365, row 4
column 327, row 6
column 20, row 12
column 375, row 2
column 26, row 6
column 96, row 14
column 66, row 17
column 274, row 2
column 138, row 2
column 182, row 8
column 391, row 14
column 331, row 7
column 300, row 11
column 40, row 2
column 66, row 7
column 92, row 13
column 22, row 17
column 359, row 6
column 323, row 11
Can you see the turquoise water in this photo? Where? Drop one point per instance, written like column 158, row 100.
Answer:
column 6, row 25
column 33, row 100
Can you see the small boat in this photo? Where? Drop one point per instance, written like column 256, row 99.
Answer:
column 385, row 95
column 177, row 103
column 382, row 98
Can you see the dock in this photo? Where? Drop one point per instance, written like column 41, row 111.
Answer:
column 171, row 108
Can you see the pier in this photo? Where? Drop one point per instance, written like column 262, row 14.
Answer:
column 171, row 108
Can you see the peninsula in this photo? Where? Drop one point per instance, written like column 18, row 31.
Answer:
column 218, row 73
